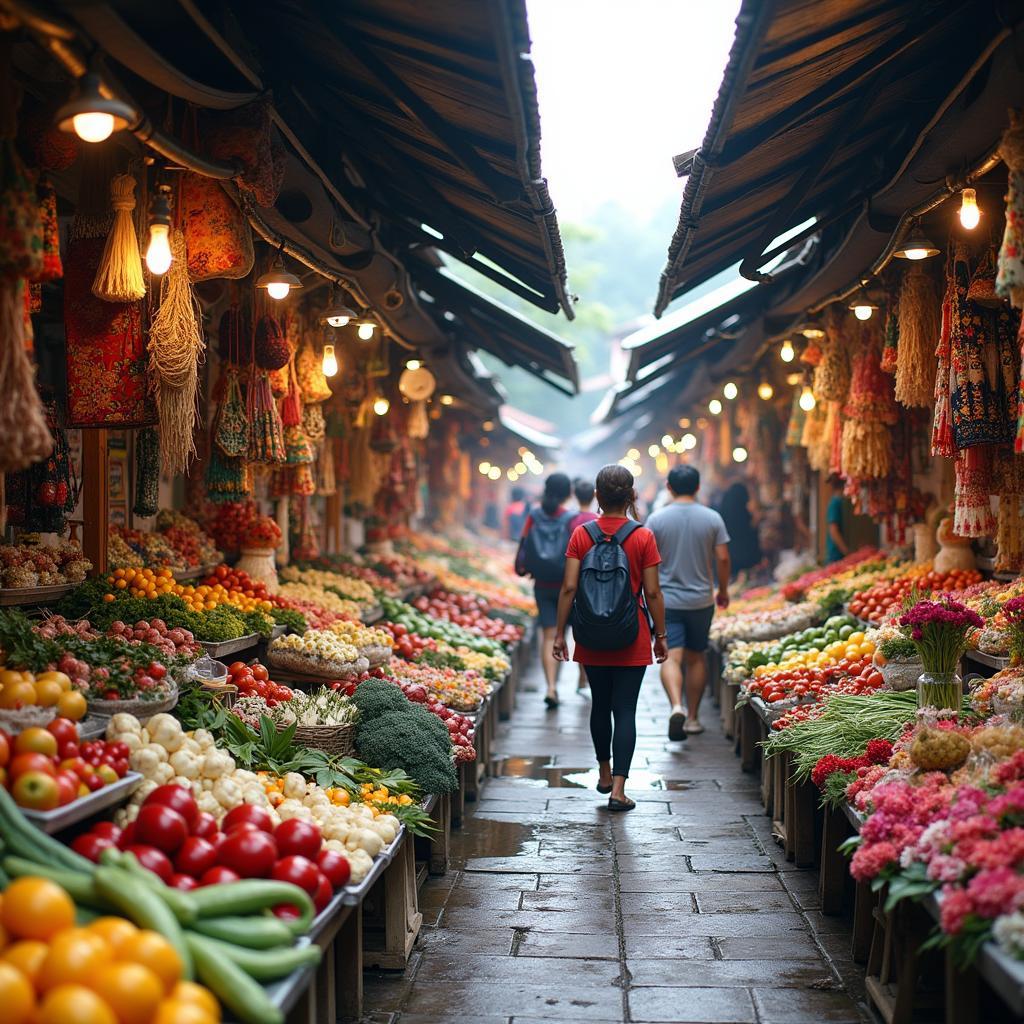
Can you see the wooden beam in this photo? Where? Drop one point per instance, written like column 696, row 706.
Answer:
column 95, row 512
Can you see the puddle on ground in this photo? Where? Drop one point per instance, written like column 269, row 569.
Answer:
column 540, row 772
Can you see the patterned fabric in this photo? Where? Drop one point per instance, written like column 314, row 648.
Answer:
column 972, row 509
column 246, row 135
column 217, row 235
column 106, row 351
column 984, row 365
column 942, row 426
column 21, row 228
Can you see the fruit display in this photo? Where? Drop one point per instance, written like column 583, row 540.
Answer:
column 402, row 614
column 317, row 652
column 253, row 680
column 796, row 590
column 237, row 525
column 346, row 587
column 313, row 601
column 45, row 768
column 763, row 624
column 468, row 611
column 40, row 565
column 188, row 538
column 457, row 689
column 878, row 602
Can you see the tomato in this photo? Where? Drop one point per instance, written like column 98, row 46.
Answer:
column 5, row 749
column 287, row 912
column 90, row 846
column 152, row 859
column 152, row 950
column 260, row 672
column 237, row 668
column 300, row 871
column 64, row 730
column 183, row 882
column 335, row 866
column 178, row 799
column 296, row 837
column 127, row 836
column 17, row 996
column 72, row 705
column 67, row 787
column 205, row 826
column 75, row 957
column 219, row 876
column 248, row 814
column 191, row 994
column 74, row 1003
column 323, row 893
column 249, row 852
column 160, row 826
column 195, row 857
column 116, row 930
column 30, row 762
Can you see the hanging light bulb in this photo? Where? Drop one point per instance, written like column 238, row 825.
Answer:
column 765, row 390
column 811, row 329
column 653, row 449
column 487, row 426
column 413, row 364
column 447, row 400
column 689, row 442
column 484, row 467
column 494, row 473
column 536, row 468
column 513, row 475
column 807, row 399
column 861, row 305
column 666, row 440
column 792, row 379
column 714, row 407
column 381, row 405
column 684, row 422
column 520, row 468
column 158, row 252
column 366, row 329
column 336, row 314
column 330, row 361
column 633, row 454
column 730, row 390
column 739, row 454
column 916, row 246
column 278, row 281
column 970, row 214
column 92, row 116
column 787, row 353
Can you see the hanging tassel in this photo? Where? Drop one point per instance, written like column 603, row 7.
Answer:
column 147, row 473
column 919, row 329
column 53, row 268
column 175, row 347
column 119, row 275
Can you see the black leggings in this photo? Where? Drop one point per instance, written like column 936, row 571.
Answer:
column 613, row 693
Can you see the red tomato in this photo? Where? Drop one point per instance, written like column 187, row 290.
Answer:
column 127, row 836
column 107, row 830
column 260, row 672
column 177, row 798
column 31, row 763
column 300, row 871
column 90, row 845
column 5, row 749
column 67, row 787
column 153, row 860
column 251, row 853
column 287, row 912
column 160, row 826
column 63, row 730
column 183, row 882
column 323, row 893
column 195, row 857
column 335, row 866
column 237, row 668
column 296, row 837
column 248, row 814
column 219, row 876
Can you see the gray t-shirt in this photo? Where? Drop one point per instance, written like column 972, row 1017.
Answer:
column 687, row 533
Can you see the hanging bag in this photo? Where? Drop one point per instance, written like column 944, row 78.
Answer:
column 232, row 433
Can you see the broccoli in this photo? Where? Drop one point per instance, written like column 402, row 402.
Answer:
column 374, row 697
column 412, row 740
column 295, row 621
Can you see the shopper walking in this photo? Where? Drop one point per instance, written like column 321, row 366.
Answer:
column 541, row 555
column 514, row 516
column 610, row 585
column 694, row 545
column 737, row 509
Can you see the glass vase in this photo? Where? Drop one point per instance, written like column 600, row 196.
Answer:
column 940, row 690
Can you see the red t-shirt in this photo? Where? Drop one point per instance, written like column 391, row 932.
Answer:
column 642, row 551
column 581, row 517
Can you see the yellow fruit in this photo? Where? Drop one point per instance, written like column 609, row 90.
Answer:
column 132, row 991
column 35, row 908
column 62, row 680
column 75, row 958
column 27, row 955
column 74, row 1004
column 174, row 1011
column 195, row 995
column 71, row 705
column 152, row 950
column 48, row 692
column 17, row 998
column 17, row 694
column 115, row 930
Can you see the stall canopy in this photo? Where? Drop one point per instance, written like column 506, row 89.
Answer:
column 822, row 104
column 483, row 323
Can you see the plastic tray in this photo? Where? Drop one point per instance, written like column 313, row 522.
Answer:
column 990, row 660
column 84, row 807
column 35, row 595
column 225, row 647
column 277, row 631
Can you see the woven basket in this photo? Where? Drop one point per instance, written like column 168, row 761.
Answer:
column 292, row 662
column 901, row 675
column 332, row 739
column 141, row 709
column 376, row 654
column 34, row 715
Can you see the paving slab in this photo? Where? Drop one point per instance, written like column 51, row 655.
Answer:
column 698, row 1005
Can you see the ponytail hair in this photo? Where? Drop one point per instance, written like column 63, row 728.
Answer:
column 557, row 489
column 615, row 490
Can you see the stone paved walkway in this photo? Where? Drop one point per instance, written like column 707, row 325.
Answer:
column 682, row 910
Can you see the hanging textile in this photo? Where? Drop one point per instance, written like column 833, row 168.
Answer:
column 942, row 424
column 231, row 425
column 147, row 473
column 890, row 351
column 972, row 509
column 1010, row 279
column 52, row 268
column 217, row 234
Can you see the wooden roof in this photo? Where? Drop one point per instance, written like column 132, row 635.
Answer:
column 822, row 103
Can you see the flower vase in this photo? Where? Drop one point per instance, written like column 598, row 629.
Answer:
column 940, row 690
column 259, row 564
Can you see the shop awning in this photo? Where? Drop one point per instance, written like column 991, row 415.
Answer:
column 517, row 422
column 483, row 323
column 821, row 106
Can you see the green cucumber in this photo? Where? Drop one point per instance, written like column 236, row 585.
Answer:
column 268, row 964
column 242, row 995
column 77, row 884
column 182, row 905
column 254, row 932
column 252, row 895
column 143, row 907
column 25, row 840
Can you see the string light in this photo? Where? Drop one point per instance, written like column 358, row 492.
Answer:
column 381, row 406
column 730, row 390
column 787, row 353
column 969, row 212
column 666, row 440
column 494, row 473
column 512, row 475
column 536, row 468
column 653, row 449
column 765, row 391
column 739, row 454
column 689, row 442
column 487, row 425
column 484, row 467
column 633, row 454
column 330, row 361
column 714, row 407
column 366, row 329
column 684, row 422
column 918, row 246
column 414, row 364
column 861, row 305
column 337, row 314
column 521, row 468
column 158, row 252
column 277, row 281
column 792, row 379
column 807, row 399
column 447, row 400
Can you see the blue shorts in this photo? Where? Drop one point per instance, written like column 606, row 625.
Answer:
column 689, row 627
column 547, row 605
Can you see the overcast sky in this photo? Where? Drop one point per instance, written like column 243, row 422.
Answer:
column 624, row 85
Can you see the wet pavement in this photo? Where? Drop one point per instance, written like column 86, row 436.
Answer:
column 682, row 910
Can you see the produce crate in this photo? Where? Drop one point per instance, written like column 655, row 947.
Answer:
column 392, row 918
column 84, row 807
column 34, row 595
column 433, row 851
column 223, row 648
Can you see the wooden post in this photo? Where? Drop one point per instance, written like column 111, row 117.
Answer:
column 832, row 881
column 348, row 966
column 801, row 824
column 962, row 995
column 95, row 514
column 440, row 841
column 748, row 734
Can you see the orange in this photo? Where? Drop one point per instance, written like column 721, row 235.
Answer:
column 196, row 995
column 27, row 955
column 48, row 692
column 74, row 1003
column 71, row 705
column 75, row 957
column 152, row 950
column 9, row 676
column 17, row 695
column 174, row 1011
column 116, row 930
column 132, row 991
column 35, row 908
column 16, row 995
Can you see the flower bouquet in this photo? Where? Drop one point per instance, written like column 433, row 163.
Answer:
column 940, row 630
column 1013, row 612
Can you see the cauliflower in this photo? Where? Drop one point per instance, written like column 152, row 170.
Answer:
column 142, row 790
column 204, row 738
column 252, row 793
column 132, row 740
column 364, row 839
column 290, row 809
column 146, row 759
column 122, row 725
column 360, row 863
column 227, row 792
column 208, row 803
column 294, row 786
column 335, row 831
column 217, row 764
column 186, row 764
column 162, row 774
column 166, row 730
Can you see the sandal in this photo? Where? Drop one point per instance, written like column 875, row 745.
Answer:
column 677, row 727
column 552, row 703
column 621, row 805
column 603, row 790
column 693, row 727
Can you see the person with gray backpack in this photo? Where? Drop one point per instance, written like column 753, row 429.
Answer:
column 612, row 591
column 541, row 555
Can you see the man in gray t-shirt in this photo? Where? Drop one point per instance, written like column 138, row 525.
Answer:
column 694, row 547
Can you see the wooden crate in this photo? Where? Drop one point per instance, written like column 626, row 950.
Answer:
column 392, row 919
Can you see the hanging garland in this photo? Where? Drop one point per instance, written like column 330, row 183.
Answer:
column 869, row 412
column 918, row 331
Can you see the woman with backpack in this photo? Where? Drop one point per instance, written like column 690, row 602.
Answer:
column 542, row 555
column 610, row 586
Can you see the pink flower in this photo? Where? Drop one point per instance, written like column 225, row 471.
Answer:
column 995, row 892
column 943, row 868
column 956, row 906
column 871, row 858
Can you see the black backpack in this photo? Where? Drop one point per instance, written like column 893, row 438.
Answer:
column 542, row 551
column 605, row 607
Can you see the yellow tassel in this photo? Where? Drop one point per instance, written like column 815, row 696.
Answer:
column 918, row 337
column 119, row 275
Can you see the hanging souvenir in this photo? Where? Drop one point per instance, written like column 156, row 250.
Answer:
column 890, row 351
column 234, row 336
column 869, row 412
column 313, row 422
column 246, row 136
column 1008, row 483
column 1010, row 278
column 326, row 481
column 313, row 384
column 271, row 350
column 266, row 442
column 942, row 423
column 972, row 509
column 419, row 421
column 52, row 268
column 217, row 233
column 227, row 479
column 918, row 330
column 231, row 432
column 119, row 274
column 41, row 497
column 147, row 473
